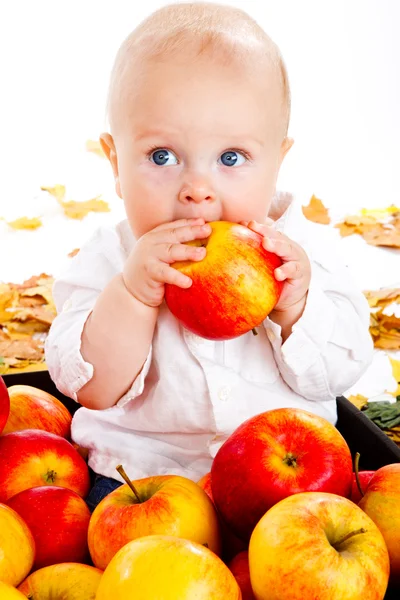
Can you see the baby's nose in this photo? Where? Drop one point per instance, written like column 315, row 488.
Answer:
column 197, row 190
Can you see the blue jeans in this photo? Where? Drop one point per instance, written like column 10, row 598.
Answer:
column 101, row 488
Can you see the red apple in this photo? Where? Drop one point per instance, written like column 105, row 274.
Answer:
column 58, row 519
column 318, row 546
column 31, row 408
column 381, row 502
column 166, row 504
column 239, row 567
column 4, row 404
column 365, row 478
column 233, row 288
column 167, row 567
column 274, row 455
column 231, row 544
column 17, row 547
column 32, row 458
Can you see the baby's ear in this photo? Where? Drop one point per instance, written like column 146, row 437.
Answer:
column 285, row 147
column 108, row 147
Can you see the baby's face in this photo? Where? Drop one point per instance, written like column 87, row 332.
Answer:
column 198, row 142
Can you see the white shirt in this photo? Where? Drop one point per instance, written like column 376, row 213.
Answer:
column 193, row 393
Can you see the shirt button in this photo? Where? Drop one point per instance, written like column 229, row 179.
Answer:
column 271, row 335
column 67, row 305
column 224, row 393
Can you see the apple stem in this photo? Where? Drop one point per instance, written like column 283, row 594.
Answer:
column 356, row 462
column 348, row 536
column 123, row 474
column 254, row 330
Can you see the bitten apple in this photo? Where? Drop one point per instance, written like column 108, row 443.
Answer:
column 234, row 287
column 32, row 458
column 58, row 519
column 17, row 547
column 66, row 581
column 317, row 545
column 167, row 505
column 382, row 504
column 274, row 455
column 31, row 408
column 167, row 567
column 4, row 404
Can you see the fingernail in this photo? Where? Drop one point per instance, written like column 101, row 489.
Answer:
column 206, row 228
column 200, row 251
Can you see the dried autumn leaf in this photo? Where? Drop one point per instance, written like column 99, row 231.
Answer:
column 384, row 328
column 58, row 191
column 382, row 297
column 316, row 211
column 73, row 252
column 380, row 227
column 95, row 147
column 25, row 223
column 358, row 400
column 396, row 374
column 78, row 210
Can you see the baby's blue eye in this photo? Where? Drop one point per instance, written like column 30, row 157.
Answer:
column 231, row 158
column 160, row 157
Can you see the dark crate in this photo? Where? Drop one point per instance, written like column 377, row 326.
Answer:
column 361, row 434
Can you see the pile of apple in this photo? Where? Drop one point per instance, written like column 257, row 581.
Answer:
column 276, row 518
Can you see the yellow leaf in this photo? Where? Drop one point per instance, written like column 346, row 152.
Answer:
column 316, row 211
column 380, row 213
column 396, row 374
column 95, row 147
column 25, row 223
column 78, row 210
column 58, row 191
column 359, row 400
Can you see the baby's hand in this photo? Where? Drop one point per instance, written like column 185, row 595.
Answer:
column 148, row 266
column 296, row 268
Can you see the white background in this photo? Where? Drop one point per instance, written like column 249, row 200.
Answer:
column 343, row 59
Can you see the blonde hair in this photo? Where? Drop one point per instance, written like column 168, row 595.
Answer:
column 225, row 33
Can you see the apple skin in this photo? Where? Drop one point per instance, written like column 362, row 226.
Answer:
column 167, row 567
column 233, row 289
column 171, row 505
column 231, row 544
column 32, row 458
column 58, row 519
column 17, row 547
column 4, row 404
column 66, row 581
column 290, row 450
column 381, row 503
column 7, row 592
column 292, row 553
column 31, row 408
column 239, row 567
column 365, row 478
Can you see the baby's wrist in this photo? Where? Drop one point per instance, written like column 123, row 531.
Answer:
column 288, row 316
column 132, row 294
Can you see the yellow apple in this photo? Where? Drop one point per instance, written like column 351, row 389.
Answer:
column 167, row 567
column 65, row 581
column 167, row 505
column 17, row 547
column 315, row 545
column 7, row 592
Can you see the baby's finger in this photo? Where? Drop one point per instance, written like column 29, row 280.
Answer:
column 170, row 253
column 180, row 235
column 180, row 223
column 289, row 270
column 261, row 228
column 163, row 273
column 281, row 246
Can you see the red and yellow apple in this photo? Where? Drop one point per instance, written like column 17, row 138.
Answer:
column 17, row 547
column 231, row 544
column 234, row 287
column 7, row 592
column 58, row 519
column 167, row 567
column 364, row 477
column 274, row 455
column 317, row 545
column 31, row 408
column 4, row 404
column 239, row 567
column 381, row 503
column 169, row 505
column 66, row 581
column 32, row 458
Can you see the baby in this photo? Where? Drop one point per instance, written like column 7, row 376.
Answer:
column 199, row 107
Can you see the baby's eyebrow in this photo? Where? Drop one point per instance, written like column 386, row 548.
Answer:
column 232, row 139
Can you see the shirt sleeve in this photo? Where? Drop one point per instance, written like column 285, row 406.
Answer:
column 330, row 346
column 75, row 293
